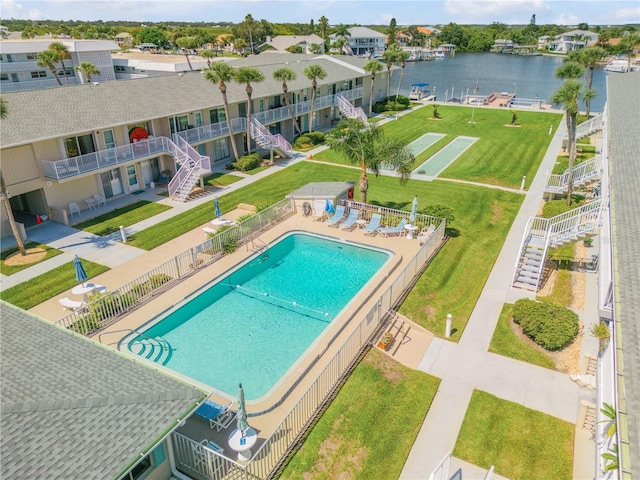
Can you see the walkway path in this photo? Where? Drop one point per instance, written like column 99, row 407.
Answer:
column 467, row 365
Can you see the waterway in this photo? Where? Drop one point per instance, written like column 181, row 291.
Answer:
column 528, row 77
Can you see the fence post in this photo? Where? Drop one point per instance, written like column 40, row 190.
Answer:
column 448, row 326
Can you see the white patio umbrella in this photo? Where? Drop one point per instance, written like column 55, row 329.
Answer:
column 414, row 209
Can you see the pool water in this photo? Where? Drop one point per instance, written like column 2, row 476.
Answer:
column 251, row 326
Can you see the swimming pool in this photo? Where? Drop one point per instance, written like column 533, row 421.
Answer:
column 253, row 324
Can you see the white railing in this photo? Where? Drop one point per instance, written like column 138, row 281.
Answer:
column 391, row 217
column 36, row 84
column 266, row 139
column 587, row 128
column 106, row 309
column 582, row 172
column 605, row 262
column 192, row 166
column 272, row 451
column 280, row 142
column 441, row 472
column 214, row 130
column 71, row 167
column 350, row 111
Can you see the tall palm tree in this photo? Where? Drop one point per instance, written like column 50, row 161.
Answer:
column 373, row 67
column 221, row 73
column 248, row 75
column 5, row 196
column 49, row 58
column 88, row 69
column 285, row 74
column 342, row 31
column 208, row 54
column 588, row 58
column 402, row 58
column 323, row 23
column 339, row 45
column 368, row 148
column 568, row 96
column 186, row 44
column 314, row 72
column 627, row 42
column 63, row 52
column 390, row 57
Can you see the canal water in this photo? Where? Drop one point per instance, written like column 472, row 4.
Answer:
column 528, row 77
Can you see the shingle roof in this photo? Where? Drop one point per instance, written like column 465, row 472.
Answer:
column 55, row 112
column 282, row 42
column 624, row 124
column 71, row 408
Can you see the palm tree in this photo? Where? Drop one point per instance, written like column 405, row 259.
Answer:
column 342, row 31
column 239, row 44
column 186, row 44
column 221, row 73
column 373, row 67
column 627, row 42
column 588, row 58
column 208, row 54
column 339, row 44
column 368, row 148
column 323, row 23
column 314, row 72
column 402, row 58
column 284, row 75
column 87, row 69
column 63, row 52
column 390, row 57
column 248, row 75
column 49, row 58
column 5, row 196
column 568, row 95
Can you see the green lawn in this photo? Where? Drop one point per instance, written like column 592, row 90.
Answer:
column 502, row 156
column 257, row 170
column 110, row 222
column 47, row 285
column 363, row 435
column 221, row 179
column 523, row 444
column 11, row 269
column 505, row 342
column 562, row 162
column 483, row 218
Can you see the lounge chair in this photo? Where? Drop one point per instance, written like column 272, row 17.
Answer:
column 212, row 445
column 393, row 231
column 68, row 304
column 350, row 222
column 337, row 217
column 425, row 233
column 319, row 213
column 219, row 416
column 371, row 228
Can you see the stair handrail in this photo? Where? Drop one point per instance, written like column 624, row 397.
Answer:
column 282, row 143
column 192, row 164
column 587, row 127
column 558, row 182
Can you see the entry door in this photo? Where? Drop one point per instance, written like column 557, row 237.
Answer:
column 147, row 175
column 111, row 184
column 109, row 139
column 132, row 177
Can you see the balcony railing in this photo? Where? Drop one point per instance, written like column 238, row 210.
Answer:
column 214, row 130
column 71, row 167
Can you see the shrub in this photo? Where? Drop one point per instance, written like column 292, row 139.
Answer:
column 551, row 326
column 247, row 162
column 303, row 141
column 229, row 245
column 556, row 207
column 316, row 137
column 440, row 211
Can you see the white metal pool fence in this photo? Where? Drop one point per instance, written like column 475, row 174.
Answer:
column 105, row 309
column 199, row 462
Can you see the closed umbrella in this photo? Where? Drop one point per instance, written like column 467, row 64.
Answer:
column 81, row 275
column 217, row 205
column 328, row 206
column 243, row 425
column 414, row 209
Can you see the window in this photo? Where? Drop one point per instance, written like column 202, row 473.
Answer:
column 31, row 56
column 80, row 145
column 178, row 124
column 119, row 69
column 220, row 149
column 70, row 72
column 217, row 115
column 39, row 74
column 4, row 77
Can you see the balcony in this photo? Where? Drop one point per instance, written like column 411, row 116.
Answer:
column 90, row 162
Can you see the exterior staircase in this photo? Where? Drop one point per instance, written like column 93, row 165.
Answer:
column 583, row 173
column 542, row 233
column 349, row 111
column 192, row 166
column 268, row 140
column 587, row 128
column 156, row 349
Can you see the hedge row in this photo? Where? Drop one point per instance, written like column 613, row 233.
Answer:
column 551, row 326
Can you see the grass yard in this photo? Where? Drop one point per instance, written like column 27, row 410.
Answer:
column 110, row 222
column 257, row 170
column 523, row 444
column 562, row 161
column 501, row 156
column 505, row 342
column 11, row 269
column 221, row 179
column 483, row 218
column 48, row 285
column 365, row 436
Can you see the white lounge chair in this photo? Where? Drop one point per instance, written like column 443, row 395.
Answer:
column 337, row 217
column 219, row 416
column 393, row 231
column 371, row 228
column 350, row 222
column 68, row 304
column 319, row 212
column 425, row 233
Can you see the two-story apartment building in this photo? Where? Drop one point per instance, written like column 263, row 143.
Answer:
column 573, row 40
column 364, row 41
column 66, row 144
column 19, row 69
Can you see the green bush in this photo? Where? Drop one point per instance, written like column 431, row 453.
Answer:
column 556, row 207
column 316, row 137
column 247, row 162
column 302, row 141
column 440, row 211
column 551, row 326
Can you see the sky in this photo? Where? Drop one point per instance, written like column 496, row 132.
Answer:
column 364, row 12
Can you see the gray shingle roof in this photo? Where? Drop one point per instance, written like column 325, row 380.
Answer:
column 71, row 408
column 623, row 98
column 69, row 110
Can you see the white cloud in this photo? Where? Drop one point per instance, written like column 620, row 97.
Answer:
column 567, row 19
column 485, row 11
column 13, row 9
column 628, row 15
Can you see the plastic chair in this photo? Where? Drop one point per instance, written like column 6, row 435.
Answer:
column 100, row 200
column 74, row 208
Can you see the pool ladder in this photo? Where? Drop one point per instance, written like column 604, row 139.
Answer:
column 261, row 247
column 156, row 349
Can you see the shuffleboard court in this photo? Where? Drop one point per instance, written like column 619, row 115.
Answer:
column 441, row 160
column 425, row 141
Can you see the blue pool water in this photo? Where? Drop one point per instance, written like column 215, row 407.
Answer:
column 251, row 326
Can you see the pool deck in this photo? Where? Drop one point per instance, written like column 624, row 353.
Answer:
column 408, row 350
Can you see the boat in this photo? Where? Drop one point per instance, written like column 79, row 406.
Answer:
column 419, row 91
column 620, row 65
column 439, row 54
